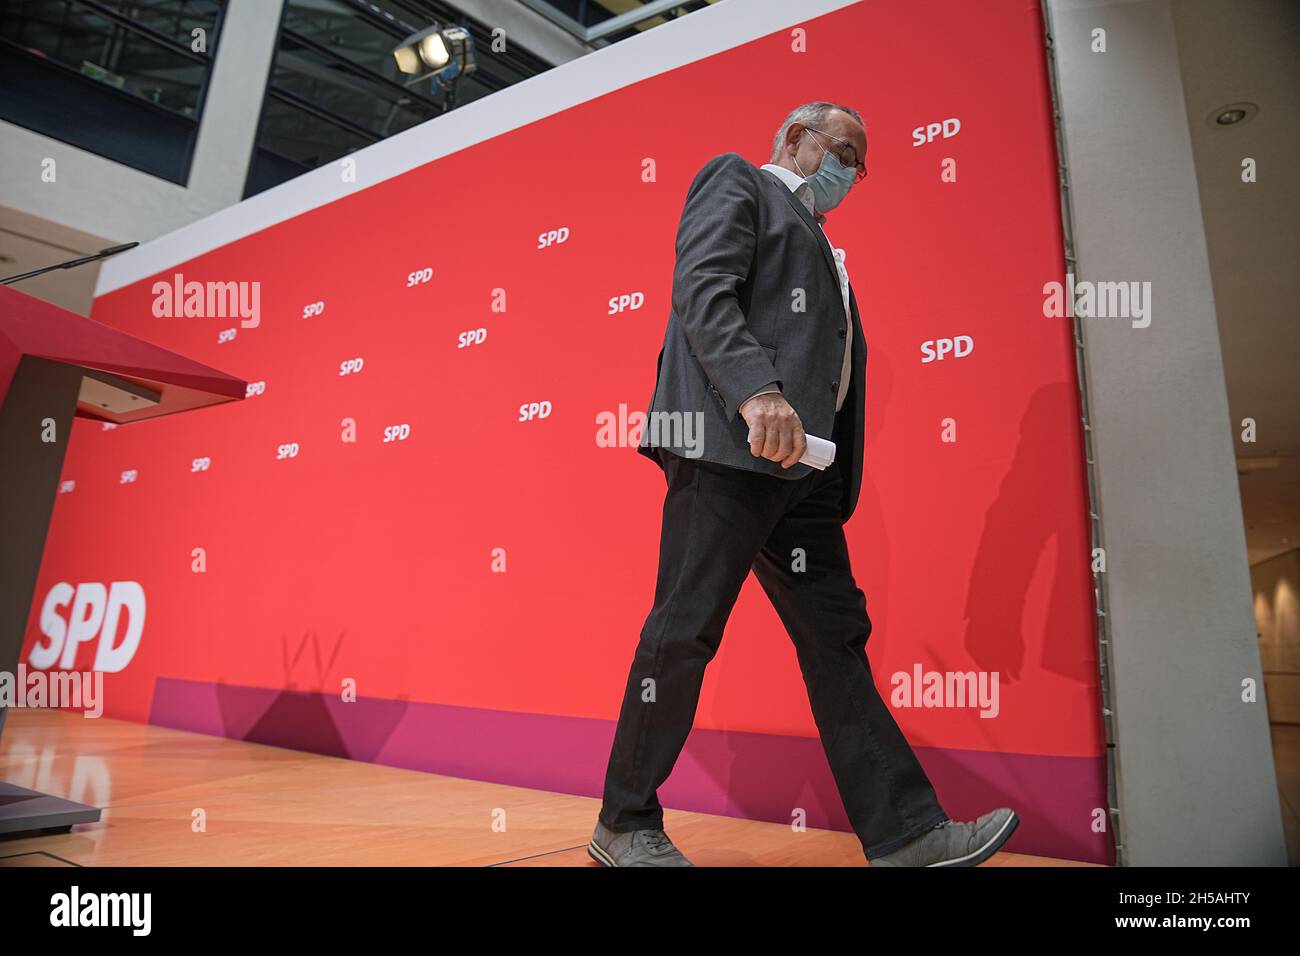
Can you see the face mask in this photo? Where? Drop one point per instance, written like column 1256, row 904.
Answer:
column 831, row 183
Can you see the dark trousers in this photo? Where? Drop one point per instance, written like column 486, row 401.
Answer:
column 718, row 523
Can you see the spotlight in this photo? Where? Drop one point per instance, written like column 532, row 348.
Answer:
column 1234, row 114
column 436, row 51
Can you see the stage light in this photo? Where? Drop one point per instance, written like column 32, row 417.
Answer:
column 436, row 50
column 408, row 59
column 433, row 51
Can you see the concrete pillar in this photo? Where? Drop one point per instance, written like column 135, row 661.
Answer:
column 1196, row 781
column 232, row 107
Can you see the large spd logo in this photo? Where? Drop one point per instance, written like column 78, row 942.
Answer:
column 96, row 611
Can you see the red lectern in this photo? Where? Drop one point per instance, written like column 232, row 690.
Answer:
column 55, row 364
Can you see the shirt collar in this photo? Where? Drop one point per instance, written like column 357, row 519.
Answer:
column 798, row 185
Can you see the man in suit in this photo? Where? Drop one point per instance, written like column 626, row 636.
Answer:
column 764, row 341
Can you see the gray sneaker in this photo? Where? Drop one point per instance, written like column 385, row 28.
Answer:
column 634, row 848
column 953, row 843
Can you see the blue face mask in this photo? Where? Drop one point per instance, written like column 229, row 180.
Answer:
column 832, row 181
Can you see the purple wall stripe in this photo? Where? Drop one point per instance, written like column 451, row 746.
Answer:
column 749, row 775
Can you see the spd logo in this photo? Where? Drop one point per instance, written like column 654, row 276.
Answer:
column 72, row 616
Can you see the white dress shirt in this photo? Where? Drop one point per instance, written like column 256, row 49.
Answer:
column 803, row 192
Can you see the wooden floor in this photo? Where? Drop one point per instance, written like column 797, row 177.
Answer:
column 266, row 806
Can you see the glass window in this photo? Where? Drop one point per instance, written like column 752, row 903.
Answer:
column 143, row 48
column 335, row 86
column 586, row 19
column 124, row 79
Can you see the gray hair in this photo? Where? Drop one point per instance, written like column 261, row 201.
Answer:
column 810, row 114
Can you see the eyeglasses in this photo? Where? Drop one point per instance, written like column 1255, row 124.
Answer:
column 852, row 157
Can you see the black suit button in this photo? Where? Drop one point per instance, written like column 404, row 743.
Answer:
column 835, row 386
column 842, row 333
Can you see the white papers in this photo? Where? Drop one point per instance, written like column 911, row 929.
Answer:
column 820, row 453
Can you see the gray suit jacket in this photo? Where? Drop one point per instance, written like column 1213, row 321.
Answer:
column 745, row 248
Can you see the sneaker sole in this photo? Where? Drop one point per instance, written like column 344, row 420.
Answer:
column 599, row 855
column 988, row 849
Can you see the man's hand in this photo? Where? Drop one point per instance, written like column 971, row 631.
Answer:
column 775, row 431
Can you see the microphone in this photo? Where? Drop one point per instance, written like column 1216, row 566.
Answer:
column 71, row 263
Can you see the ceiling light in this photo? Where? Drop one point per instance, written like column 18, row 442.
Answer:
column 1234, row 114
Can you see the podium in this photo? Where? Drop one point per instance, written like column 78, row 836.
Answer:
column 56, row 365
